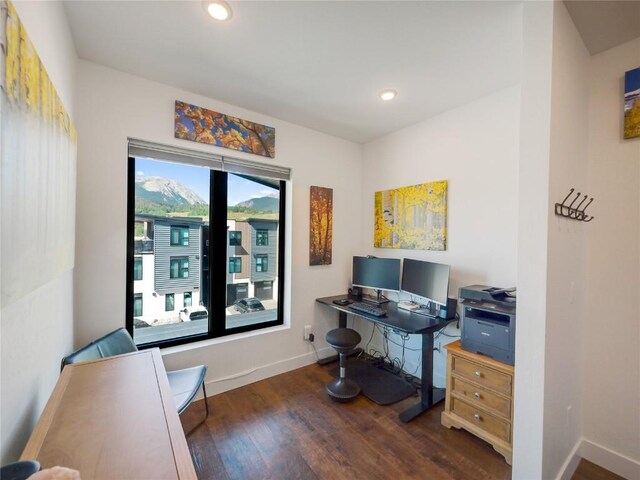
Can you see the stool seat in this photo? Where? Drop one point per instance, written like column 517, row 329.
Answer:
column 343, row 338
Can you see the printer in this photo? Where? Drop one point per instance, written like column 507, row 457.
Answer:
column 489, row 321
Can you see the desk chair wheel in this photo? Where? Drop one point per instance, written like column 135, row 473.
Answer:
column 343, row 340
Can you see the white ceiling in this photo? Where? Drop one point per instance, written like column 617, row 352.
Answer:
column 316, row 64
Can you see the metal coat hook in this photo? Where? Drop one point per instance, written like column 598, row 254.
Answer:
column 574, row 213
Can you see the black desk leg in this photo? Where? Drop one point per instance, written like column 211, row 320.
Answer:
column 342, row 319
column 429, row 395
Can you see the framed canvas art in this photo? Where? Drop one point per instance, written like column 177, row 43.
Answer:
column 632, row 103
column 413, row 217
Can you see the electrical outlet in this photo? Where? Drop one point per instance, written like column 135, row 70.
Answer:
column 307, row 331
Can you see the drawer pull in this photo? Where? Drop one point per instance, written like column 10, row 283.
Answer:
column 477, row 394
column 478, row 374
column 477, row 416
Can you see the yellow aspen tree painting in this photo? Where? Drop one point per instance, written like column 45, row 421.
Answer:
column 38, row 164
column 413, row 217
column 320, row 226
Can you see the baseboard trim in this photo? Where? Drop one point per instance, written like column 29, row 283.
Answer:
column 571, row 463
column 240, row 379
column 619, row 464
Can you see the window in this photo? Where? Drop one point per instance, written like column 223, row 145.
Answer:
column 262, row 263
column 137, row 305
column 190, row 244
column 169, row 302
column 137, row 268
column 262, row 238
column 180, row 236
column 235, row 265
column 235, row 237
column 179, row 267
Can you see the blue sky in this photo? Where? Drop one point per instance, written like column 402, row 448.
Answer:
column 632, row 80
column 197, row 179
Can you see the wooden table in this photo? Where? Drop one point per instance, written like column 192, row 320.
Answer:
column 113, row 418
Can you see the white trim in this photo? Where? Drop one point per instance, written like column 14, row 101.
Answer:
column 613, row 461
column 240, row 379
column 571, row 463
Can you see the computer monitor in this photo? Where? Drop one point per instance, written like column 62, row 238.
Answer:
column 426, row 279
column 377, row 273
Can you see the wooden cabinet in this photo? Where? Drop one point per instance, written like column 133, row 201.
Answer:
column 480, row 398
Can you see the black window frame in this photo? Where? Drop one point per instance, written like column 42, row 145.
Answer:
column 137, row 261
column 217, row 259
column 181, row 268
column 181, row 237
column 237, row 264
column 262, row 237
column 168, row 296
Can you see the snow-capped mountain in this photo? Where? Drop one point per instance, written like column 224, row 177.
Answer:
column 166, row 191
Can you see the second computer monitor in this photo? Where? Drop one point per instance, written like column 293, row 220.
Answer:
column 426, row 279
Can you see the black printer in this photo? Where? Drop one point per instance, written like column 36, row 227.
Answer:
column 489, row 321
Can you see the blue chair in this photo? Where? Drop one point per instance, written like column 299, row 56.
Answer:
column 184, row 383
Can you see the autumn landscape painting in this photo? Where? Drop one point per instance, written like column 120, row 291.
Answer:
column 206, row 126
column 321, row 226
column 632, row 103
column 413, row 217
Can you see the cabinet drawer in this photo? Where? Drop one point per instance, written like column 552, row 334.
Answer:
column 477, row 373
column 493, row 425
column 483, row 397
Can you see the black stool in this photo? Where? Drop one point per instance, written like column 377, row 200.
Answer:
column 343, row 340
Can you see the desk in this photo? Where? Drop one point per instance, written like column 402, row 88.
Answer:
column 407, row 322
column 113, row 418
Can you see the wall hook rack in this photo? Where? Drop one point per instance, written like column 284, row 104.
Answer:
column 574, row 213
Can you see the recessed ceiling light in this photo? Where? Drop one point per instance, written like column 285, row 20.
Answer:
column 388, row 94
column 218, row 9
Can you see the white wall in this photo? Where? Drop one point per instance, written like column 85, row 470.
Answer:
column 533, row 213
column 612, row 321
column 566, row 251
column 37, row 331
column 112, row 106
column 475, row 148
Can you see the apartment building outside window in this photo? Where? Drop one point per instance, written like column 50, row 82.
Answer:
column 262, row 238
column 235, row 238
column 235, row 265
column 262, row 263
column 196, row 233
column 179, row 267
column 180, row 236
column 137, row 305
column 137, row 268
column 169, row 302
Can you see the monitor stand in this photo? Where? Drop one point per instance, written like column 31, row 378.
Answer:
column 377, row 300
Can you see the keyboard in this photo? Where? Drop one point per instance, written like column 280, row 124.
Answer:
column 369, row 309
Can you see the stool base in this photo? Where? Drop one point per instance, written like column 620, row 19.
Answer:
column 342, row 389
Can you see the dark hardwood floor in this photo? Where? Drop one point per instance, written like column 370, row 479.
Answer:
column 590, row 471
column 286, row 427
